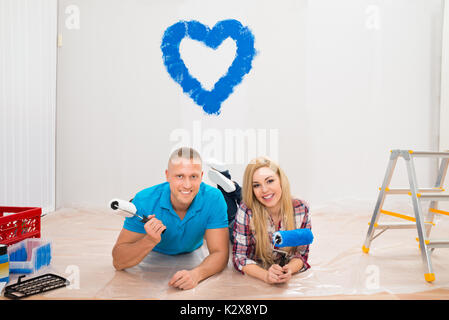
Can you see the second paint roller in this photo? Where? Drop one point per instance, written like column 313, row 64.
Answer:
column 292, row 238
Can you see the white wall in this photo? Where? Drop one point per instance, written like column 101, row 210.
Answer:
column 28, row 103
column 444, row 115
column 372, row 86
column 335, row 84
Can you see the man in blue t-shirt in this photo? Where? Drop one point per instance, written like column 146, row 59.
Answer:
column 188, row 210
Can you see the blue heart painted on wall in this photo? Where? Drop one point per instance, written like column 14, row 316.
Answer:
column 210, row 101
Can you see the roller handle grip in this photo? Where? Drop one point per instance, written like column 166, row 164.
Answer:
column 145, row 220
column 283, row 260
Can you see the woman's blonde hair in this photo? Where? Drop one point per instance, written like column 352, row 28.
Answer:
column 259, row 218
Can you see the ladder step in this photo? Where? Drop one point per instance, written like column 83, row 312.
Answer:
column 438, row 244
column 429, row 154
column 395, row 225
column 407, row 191
column 432, row 197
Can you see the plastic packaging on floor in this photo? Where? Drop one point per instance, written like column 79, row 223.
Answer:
column 83, row 240
column 29, row 255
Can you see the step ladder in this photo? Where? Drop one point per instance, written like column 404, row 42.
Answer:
column 418, row 195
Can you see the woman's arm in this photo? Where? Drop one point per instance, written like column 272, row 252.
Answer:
column 243, row 249
column 294, row 265
column 255, row 271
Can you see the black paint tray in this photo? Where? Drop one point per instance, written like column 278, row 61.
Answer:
column 40, row 284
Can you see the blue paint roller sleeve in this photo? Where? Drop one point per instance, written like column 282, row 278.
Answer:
column 293, row 238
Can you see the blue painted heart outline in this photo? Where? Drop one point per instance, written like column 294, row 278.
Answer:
column 210, row 101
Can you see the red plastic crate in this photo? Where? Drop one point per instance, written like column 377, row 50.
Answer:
column 24, row 223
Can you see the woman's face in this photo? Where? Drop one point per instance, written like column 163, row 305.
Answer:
column 267, row 187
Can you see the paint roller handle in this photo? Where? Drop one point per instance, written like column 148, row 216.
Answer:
column 129, row 207
column 145, row 220
column 283, row 260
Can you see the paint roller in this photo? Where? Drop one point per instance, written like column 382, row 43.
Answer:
column 292, row 238
column 128, row 207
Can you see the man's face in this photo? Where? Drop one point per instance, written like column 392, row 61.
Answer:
column 185, row 177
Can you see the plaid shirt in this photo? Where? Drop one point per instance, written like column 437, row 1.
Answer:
column 244, row 248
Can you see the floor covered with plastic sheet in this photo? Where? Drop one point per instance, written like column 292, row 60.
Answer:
column 82, row 241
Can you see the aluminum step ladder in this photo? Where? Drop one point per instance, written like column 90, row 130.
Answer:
column 418, row 195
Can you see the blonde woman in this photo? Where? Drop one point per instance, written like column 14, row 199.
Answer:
column 267, row 206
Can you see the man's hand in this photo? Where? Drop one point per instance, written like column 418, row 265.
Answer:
column 184, row 279
column 154, row 229
column 218, row 245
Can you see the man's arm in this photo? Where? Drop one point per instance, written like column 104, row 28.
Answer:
column 218, row 244
column 132, row 247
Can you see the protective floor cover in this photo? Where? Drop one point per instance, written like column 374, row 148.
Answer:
column 83, row 238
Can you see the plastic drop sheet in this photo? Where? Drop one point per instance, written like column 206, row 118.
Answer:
column 83, row 238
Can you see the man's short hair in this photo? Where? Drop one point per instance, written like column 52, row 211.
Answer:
column 185, row 153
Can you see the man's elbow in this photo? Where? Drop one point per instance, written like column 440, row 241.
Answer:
column 225, row 260
column 117, row 265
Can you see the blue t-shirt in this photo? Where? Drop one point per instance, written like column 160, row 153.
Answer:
column 208, row 210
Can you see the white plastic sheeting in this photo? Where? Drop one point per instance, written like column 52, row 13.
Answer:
column 83, row 238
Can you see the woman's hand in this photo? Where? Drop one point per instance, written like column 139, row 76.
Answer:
column 278, row 274
column 273, row 274
column 286, row 274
